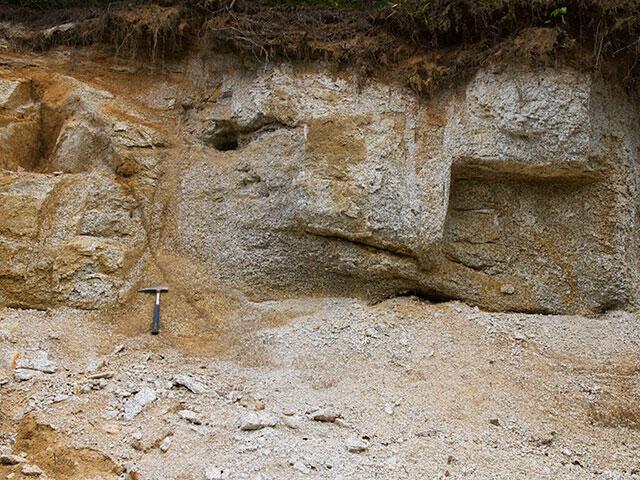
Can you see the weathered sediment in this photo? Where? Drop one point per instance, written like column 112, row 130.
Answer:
column 513, row 191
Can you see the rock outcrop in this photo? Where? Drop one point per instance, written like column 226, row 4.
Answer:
column 515, row 191
column 70, row 228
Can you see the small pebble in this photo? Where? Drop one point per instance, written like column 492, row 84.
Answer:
column 9, row 459
column 215, row 473
column 507, row 289
column 166, row 443
column 325, row 415
column 255, row 421
column 357, row 445
column 190, row 416
column 31, row 470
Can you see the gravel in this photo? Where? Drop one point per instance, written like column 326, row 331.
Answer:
column 403, row 389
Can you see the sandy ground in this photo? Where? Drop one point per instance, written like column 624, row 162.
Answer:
column 403, row 389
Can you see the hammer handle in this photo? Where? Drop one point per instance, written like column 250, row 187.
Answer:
column 155, row 324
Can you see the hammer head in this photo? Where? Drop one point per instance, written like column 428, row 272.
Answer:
column 156, row 289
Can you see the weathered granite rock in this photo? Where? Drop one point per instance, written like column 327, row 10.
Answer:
column 70, row 227
column 541, row 197
column 135, row 404
column 515, row 181
column 15, row 93
column 515, row 191
column 65, row 239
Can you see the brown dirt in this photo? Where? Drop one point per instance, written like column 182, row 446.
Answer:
column 449, row 369
column 48, row 449
column 423, row 48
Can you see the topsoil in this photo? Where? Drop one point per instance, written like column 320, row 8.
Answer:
column 424, row 45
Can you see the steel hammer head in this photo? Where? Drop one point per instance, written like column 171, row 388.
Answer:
column 157, row 289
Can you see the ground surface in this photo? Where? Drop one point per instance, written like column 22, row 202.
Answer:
column 406, row 389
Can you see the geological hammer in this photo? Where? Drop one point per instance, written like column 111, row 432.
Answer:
column 155, row 324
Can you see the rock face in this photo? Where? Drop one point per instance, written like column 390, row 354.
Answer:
column 70, row 229
column 541, row 192
column 516, row 191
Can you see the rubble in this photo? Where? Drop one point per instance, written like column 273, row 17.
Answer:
column 189, row 383
column 326, row 414
column 138, row 402
column 256, row 421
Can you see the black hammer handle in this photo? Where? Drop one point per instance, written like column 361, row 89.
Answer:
column 155, row 325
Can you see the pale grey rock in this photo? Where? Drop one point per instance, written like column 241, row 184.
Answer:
column 190, row 416
column 10, row 459
column 518, row 119
column 61, row 398
column 301, row 467
column 215, row 473
column 257, row 421
column 166, row 443
column 32, row 470
column 117, row 349
column 25, row 375
column 101, row 375
column 356, row 444
column 38, row 360
column 189, row 383
column 293, row 422
column 325, row 414
column 134, row 405
column 293, row 183
column 365, row 190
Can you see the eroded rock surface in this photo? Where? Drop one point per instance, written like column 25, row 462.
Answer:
column 516, row 191
column 70, row 228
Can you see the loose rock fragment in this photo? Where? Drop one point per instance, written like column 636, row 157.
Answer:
column 31, row 470
column 38, row 361
column 255, row 421
column 189, row 383
column 325, row 415
column 99, row 375
column 494, row 422
column 137, row 403
column 301, row 467
column 166, row 443
column 190, row 416
column 118, row 349
column 23, row 374
column 53, row 336
column 215, row 473
column 507, row 289
column 357, row 445
column 294, row 423
column 9, row 459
